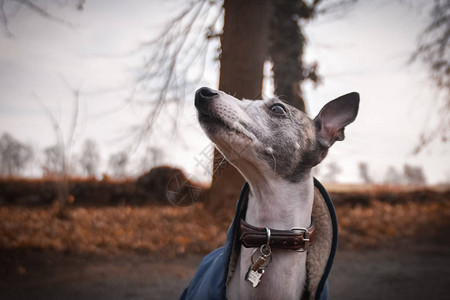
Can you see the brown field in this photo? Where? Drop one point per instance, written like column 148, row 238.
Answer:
column 174, row 230
column 367, row 218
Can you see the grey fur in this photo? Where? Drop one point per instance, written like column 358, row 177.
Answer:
column 292, row 140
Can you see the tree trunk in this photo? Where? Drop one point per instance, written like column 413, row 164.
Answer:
column 286, row 50
column 244, row 50
column 63, row 188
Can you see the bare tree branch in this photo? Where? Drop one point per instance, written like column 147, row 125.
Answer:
column 38, row 9
column 434, row 45
column 75, row 93
column 333, row 7
column 434, row 50
column 63, row 147
column 4, row 18
column 55, row 124
column 174, row 61
column 41, row 11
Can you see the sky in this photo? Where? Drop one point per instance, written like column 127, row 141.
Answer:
column 365, row 49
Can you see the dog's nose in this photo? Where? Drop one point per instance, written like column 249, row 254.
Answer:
column 203, row 94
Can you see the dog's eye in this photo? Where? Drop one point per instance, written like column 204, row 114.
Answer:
column 278, row 109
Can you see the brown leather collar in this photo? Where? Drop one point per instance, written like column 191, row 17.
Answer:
column 294, row 239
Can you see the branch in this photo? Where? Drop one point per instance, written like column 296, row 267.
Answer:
column 74, row 121
column 434, row 47
column 433, row 50
column 43, row 13
column 53, row 121
column 172, row 59
column 4, row 19
column 37, row 9
column 334, row 7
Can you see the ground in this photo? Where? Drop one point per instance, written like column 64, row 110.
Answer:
column 421, row 273
column 411, row 270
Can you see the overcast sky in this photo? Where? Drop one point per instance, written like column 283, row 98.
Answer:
column 366, row 50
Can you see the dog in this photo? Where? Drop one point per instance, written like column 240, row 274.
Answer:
column 274, row 146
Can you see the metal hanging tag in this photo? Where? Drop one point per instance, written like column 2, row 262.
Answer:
column 256, row 269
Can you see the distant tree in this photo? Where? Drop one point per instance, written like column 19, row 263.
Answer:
column 53, row 161
column 333, row 170
column 118, row 163
column 393, row 177
column 152, row 158
column 90, row 158
column 414, row 175
column 59, row 156
column 364, row 172
column 14, row 155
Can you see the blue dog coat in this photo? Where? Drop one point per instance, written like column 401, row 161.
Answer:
column 210, row 280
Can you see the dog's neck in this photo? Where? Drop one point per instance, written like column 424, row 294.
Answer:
column 278, row 204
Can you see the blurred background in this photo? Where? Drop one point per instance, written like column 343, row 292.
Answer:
column 110, row 189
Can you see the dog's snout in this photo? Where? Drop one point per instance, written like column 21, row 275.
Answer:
column 204, row 94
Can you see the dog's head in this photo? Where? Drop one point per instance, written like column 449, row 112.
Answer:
column 272, row 136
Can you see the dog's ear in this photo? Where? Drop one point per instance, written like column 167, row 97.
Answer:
column 334, row 116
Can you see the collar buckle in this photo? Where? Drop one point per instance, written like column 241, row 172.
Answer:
column 306, row 237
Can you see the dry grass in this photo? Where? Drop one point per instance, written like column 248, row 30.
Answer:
column 176, row 230
column 112, row 230
column 381, row 223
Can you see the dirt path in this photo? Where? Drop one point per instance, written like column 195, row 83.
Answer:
column 421, row 273
column 39, row 275
column 390, row 274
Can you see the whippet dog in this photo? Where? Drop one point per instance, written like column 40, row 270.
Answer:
column 274, row 146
